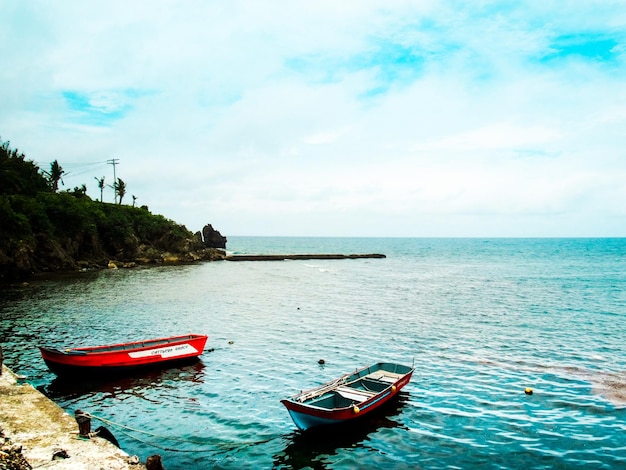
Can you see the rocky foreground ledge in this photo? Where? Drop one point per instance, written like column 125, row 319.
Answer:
column 35, row 432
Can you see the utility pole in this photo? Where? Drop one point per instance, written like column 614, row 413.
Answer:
column 114, row 162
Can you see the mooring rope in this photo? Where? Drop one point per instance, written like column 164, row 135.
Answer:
column 225, row 446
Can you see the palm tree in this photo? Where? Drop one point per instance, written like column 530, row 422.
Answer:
column 100, row 185
column 55, row 175
column 120, row 189
column 79, row 192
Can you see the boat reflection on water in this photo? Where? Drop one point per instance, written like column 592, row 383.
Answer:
column 69, row 388
column 306, row 447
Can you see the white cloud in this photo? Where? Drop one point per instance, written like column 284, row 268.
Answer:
column 358, row 118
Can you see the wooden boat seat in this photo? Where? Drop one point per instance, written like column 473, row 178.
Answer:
column 355, row 394
column 384, row 376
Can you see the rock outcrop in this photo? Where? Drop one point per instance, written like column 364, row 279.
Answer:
column 212, row 238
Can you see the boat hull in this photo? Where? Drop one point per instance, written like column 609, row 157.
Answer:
column 119, row 358
column 311, row 409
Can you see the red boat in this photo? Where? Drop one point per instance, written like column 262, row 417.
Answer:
column 124, row 356
column 348, row 397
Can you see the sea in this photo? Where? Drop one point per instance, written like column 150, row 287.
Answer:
column 481, row 320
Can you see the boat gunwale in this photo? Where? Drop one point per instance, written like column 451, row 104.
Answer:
column 332, row 386
column 123, row 347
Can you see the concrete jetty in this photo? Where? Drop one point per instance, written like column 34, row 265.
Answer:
column 303, row 256
column 49, row 436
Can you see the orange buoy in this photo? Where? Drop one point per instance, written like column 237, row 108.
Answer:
column 528, row 391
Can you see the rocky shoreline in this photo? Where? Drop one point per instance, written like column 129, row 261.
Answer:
column 65, row 255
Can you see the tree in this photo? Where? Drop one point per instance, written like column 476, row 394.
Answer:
column 18, row 175
column 100, row 185
column 55, row 175
column 79, row 192
column 120, row 189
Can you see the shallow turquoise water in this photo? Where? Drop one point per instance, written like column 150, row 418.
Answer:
column 481, row 319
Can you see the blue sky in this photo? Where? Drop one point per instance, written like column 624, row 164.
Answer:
column 353, row 118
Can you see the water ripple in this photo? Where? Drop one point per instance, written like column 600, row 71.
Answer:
column 483, row 320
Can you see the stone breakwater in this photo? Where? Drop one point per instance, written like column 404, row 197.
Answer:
column 37, row 430
column 302, row 257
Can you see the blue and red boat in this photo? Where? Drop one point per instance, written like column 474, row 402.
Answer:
column 124, row 356
column 348, row 397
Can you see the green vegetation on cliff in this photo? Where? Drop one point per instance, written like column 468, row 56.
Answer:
column 45, row 230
